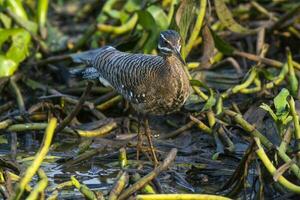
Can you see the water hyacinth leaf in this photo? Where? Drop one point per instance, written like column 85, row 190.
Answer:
column 19, row 48
column 221, row 45
column 227, row 19
column 280, row 102
column 160, row 16
column 17, row 52
column 7, row 66
column 5, row 34
column 185, row 16
column 146, row 20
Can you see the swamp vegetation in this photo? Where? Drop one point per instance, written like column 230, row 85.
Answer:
column 236, row 137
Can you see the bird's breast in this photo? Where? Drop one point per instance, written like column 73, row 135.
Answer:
column 166, row 93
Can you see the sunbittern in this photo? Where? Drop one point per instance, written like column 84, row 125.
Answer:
column 153, row 84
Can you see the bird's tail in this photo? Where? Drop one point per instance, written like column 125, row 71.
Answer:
column 89, row 72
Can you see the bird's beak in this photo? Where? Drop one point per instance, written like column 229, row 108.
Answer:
column 178, row 54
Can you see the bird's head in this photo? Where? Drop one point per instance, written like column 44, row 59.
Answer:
column 170, row 44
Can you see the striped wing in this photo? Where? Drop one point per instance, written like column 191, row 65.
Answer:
column 127, row 73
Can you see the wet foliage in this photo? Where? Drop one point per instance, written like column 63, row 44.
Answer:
column 237, row 136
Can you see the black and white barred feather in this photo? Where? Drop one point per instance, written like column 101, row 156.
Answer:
column 123, row 71
column 153, row 84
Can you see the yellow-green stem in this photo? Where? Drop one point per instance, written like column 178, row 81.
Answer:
column 31, row 170
column 270, row 167
column 196, row 29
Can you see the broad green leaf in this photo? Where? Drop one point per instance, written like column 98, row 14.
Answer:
column 7, row 66
column 221, row 45
column 5, row 34
column 146, row 20
column 17, row 52
column 227, row 19
column 160, row 16
column 280, row 102
column 19, row 48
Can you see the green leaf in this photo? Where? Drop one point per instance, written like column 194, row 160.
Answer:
column 227, row 19
column 18, row 51
column 146, row 20
column 7, row 66
column 280, row 102
column 160, row 17
column 221, row 45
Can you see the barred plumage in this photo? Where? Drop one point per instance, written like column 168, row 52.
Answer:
column 153, row 84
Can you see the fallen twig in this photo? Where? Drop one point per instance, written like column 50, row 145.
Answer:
column 143, row 181
column 69, row 118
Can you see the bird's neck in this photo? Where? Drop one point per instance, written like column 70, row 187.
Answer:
column 173, row 61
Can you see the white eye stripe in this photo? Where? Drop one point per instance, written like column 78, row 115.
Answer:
column 164, row 48
column 163, row 37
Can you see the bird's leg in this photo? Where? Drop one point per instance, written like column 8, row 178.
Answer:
column 139, row 142
column 148, row 134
